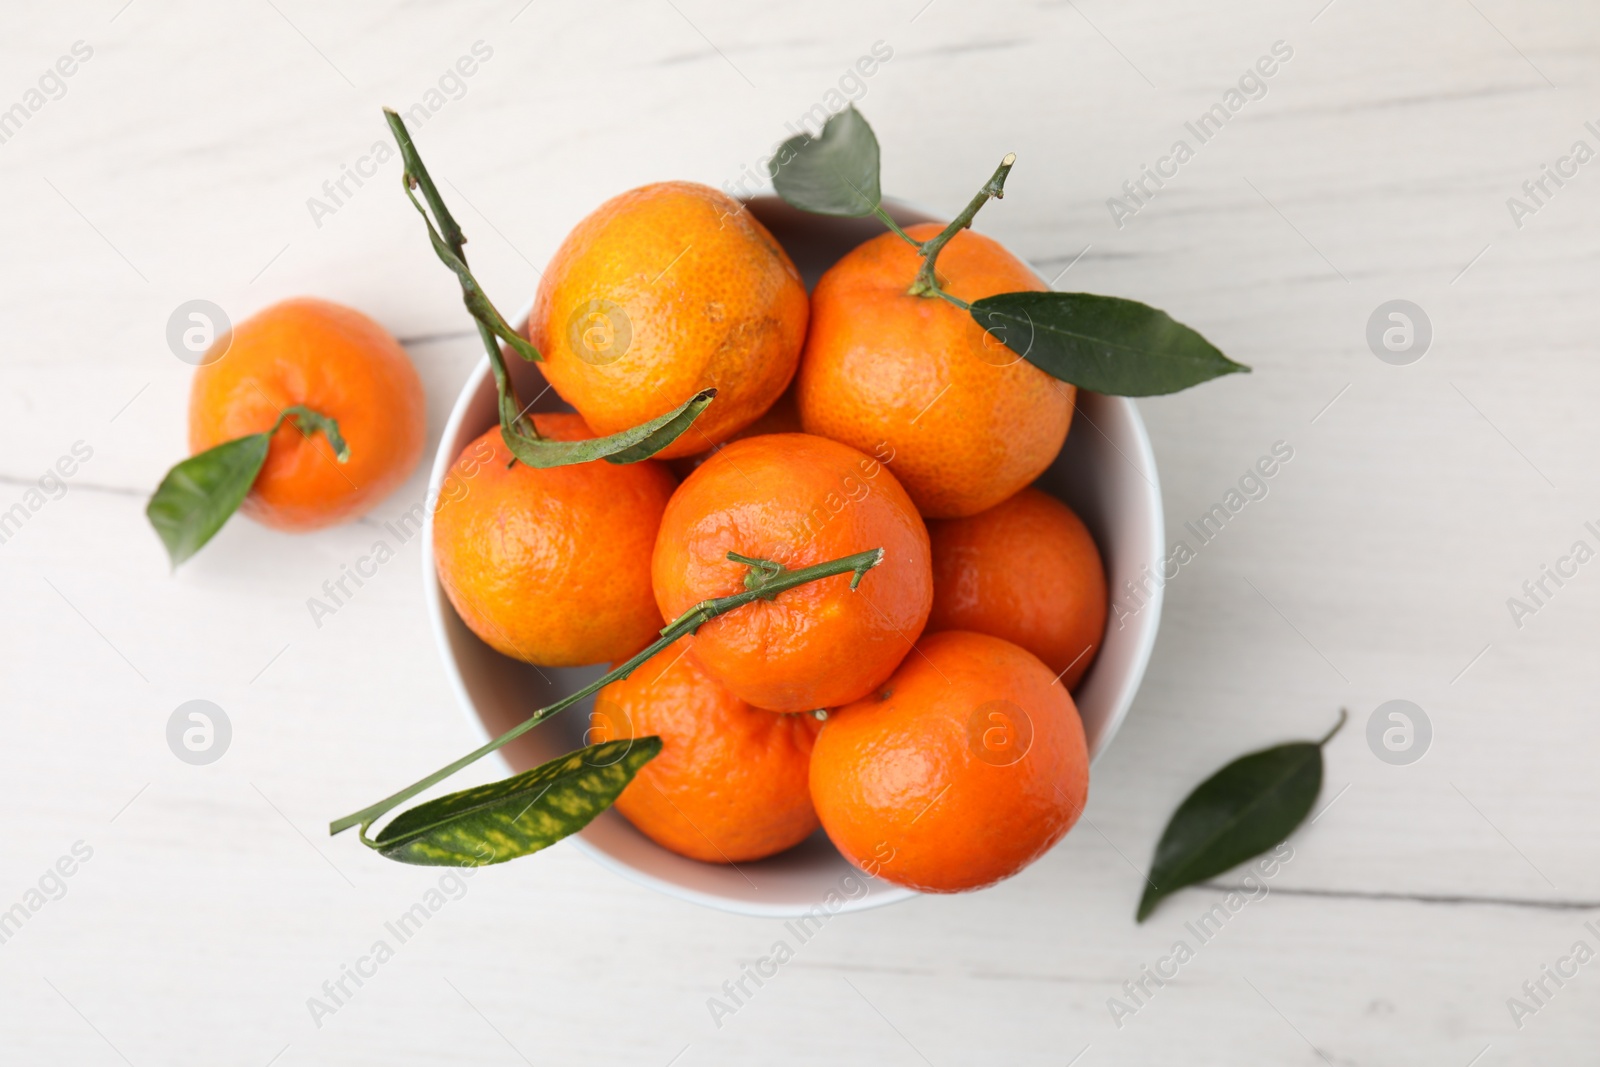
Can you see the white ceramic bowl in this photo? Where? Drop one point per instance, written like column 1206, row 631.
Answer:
column 1106, row 473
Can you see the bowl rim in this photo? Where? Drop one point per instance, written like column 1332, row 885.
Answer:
column 437, row 605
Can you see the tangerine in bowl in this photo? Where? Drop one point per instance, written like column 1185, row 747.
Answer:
column 1105, row 473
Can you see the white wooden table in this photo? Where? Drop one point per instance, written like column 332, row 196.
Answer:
column 177, row 162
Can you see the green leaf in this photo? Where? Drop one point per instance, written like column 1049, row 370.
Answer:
column 1247, row 807
column 521, row 437
column 311, row 422
column 199, row 494
column 1103, row 343
column 833, row 174
column 767, row 578
column 519, row 815
column 627, row 446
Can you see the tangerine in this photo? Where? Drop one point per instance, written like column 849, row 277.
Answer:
column 965, row 767
column 662, row 292
column 796, row 500
column 731, row 781
column 969, row 422
column 552, row 565
column 340, row 364
column 1026, row 570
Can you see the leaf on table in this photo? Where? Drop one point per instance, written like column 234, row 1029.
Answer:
column 1102, row 343
column 1247, row 807
column 519, row 815
column 835, row 173
column 198, row 495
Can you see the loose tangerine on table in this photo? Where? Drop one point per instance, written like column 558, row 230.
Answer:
column 332, row 360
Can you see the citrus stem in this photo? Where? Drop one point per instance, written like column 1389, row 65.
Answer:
column 448, row 244
column 894, row 227
column 309, row 422
column 770, row 579
column 956, row 300
column 926, row 282
column 1343, row 715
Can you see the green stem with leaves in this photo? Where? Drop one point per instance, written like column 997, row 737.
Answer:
column 309, row 423
column 517, row 427
column 894, row 227
column 449, row 244
column 926, row 283
column 765, row 581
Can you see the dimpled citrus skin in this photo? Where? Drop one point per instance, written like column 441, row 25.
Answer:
column 902, row 791
column 797, row 500
column 731, row 782
column 551, row 566
column 969, row 421
column 337, row 362
column 1026, row 570
column 707, row 295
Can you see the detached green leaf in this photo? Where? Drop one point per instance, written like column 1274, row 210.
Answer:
column 833, row 174
column 519, row 815
column 1103, row 343
column 1247, row 807
column 199, row 494
column 628, row 446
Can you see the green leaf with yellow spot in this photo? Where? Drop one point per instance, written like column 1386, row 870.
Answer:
column 520, row 815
